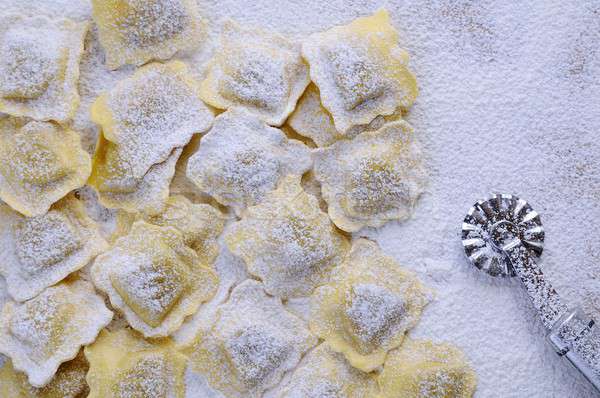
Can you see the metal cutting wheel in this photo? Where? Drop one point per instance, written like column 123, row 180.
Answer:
column 491, row 224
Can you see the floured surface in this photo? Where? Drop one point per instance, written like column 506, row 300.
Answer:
column 508, row 101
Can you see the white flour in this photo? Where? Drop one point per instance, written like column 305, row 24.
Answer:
column 509, row 102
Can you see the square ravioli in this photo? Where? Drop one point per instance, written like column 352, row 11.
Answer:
column 241, row 159
column 137, row 31
column 367, row 307
column 154, row 279
column 124, row 365
column 152, row 113
column 39, row 66
column 43, row 250
column 421, row 368
column 253, row 342
column 360, row 70
column 261, row 72
column 375, row 178
column 310, row 119
column 69, row 382
column 324, row 373
column 287, row 241
column 40, row 334
column 40, row 163
column 117, row 188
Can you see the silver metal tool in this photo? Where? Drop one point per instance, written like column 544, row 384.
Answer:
column 503, row 236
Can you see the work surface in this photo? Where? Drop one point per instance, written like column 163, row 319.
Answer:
column 509, row 102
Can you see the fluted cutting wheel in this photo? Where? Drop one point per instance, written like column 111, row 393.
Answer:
column 493, row 223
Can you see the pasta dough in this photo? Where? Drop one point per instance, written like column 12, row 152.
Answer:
column 154, row 279
column 123, row 365
column 420, row 368
column 367, row 307
column 324, row 373
column 287, row 241
column 40, row 163
column 242, row 158
column 40, row 334
column 252, row 343
column 39, row 66
column 69, row 382
column 360, row 70
column 41, row 251
column 375, row 178
column 258, row 71
column 137, row 31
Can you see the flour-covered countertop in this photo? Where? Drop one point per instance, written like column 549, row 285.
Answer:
column 509, row 101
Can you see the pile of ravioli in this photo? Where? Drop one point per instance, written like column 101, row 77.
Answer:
column 277, row 155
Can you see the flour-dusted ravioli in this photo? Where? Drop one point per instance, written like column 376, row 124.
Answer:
column 124, row 365
column 43, row 250
column 310, row 119
column 372, row 179
column 252, row 343
column 261, row 72
column 241, row 159
column 421, row 368
column 367, row 307
column 154, row 279
column 69, row 382
column 40, row 163
column 150, row 114
column 324, row 373
column 137, row 31
column 287, row 241
column 118, row 188
column 40, row 334
column 39, row 66
column 360, row 70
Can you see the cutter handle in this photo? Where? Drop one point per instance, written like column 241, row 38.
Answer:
column 572, row 334
column 543, row 296
column 577, row 337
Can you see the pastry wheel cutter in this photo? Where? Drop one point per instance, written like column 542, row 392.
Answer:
column 503, row 236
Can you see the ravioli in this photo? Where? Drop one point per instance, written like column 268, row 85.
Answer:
column 360, row 70
column 137, row 31
column 287, row 241
column 154, row 279
column 40, row 163
column 117, row 188
column 40, row 334
column 324, row 373
column 421, row 368
column 124, row 365
column 260, row 72
column 310, row 119
column 152, row 113
column 242, row 158
column 69, row 382
column 375, row 178
column 367, row 307
column 39, row 66
column 43, row 250
column 251, row 344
